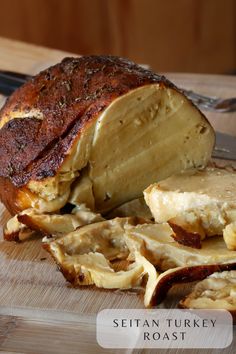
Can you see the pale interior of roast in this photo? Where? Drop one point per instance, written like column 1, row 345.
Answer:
column 166, row 253
column 218, row 291
column 142, row 137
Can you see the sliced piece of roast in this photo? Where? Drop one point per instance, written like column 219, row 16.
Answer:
column 197, row 204
column 218, row 291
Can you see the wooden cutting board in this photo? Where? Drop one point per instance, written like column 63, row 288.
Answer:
column 39, row 311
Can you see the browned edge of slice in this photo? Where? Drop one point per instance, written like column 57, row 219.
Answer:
column 185, row 275
column 13, row 236
column 29, row 222
column 190, row 239
column 18, row 234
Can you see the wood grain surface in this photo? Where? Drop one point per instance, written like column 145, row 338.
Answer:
column 39, row 311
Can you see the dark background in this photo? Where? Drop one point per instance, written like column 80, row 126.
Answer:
column 169, row 35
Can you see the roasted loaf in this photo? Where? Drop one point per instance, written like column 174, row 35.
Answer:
column 95, row 130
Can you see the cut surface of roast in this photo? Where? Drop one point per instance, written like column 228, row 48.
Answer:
column 165, row 253
column 102, row 254
column 200, row 202
column 218, row 291
column 86, row 256
column 136, row 207
column 95, row 130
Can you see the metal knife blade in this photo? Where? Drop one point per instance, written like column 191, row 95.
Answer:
column 10, row 81
column 225, row 147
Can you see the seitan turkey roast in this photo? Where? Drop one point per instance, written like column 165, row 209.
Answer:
column 95, row 130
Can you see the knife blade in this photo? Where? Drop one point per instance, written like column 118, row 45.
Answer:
column 10, row 81
column 225, row 147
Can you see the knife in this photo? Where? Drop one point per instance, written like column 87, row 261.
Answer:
column 225, row 147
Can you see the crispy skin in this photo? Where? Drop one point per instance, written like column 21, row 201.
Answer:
column 68, row 96
column 186, row 275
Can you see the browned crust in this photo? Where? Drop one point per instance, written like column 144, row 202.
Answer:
column 13, row 236
column 69, row 95
column 190, row 239
column 186, row 275
column 29, row 222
